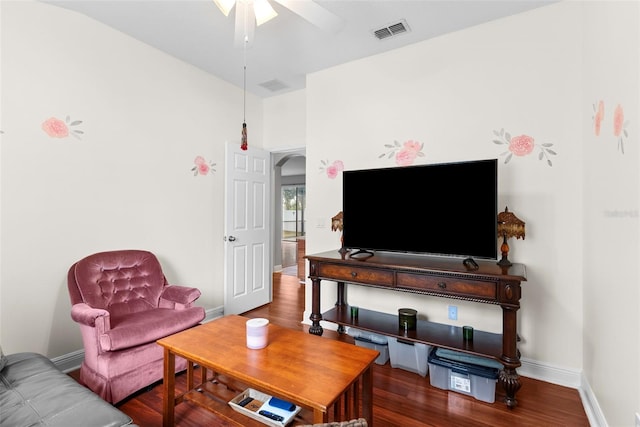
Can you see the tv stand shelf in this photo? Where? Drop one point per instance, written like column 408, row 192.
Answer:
column 489, row 283
column 436, row 334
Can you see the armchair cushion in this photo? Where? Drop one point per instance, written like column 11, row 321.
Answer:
column 133, row 329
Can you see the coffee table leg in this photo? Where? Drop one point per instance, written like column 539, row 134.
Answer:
column 367, row 396
column 169, row 391
column 320, row 417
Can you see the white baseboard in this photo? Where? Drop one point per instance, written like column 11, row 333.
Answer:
column 591, row 406
column 72, row 361
column 567, row 378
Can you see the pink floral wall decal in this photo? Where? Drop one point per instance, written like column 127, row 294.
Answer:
column 202, row 167
column 331, row 169
column 619, row 123
column 521, row 146
column 620, row 127
column 405, row 154
column 57, row 128
column 598, row 116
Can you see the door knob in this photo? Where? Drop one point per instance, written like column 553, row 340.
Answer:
column 232, row 239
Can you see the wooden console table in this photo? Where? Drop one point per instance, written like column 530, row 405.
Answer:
column 436, row 276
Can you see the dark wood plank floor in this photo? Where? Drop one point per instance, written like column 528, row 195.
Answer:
column 401, row 398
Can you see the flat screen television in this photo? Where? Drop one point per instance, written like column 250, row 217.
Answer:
column 446, row 209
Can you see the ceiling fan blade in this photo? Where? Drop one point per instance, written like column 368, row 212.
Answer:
column 315, row 14
column 245, row 24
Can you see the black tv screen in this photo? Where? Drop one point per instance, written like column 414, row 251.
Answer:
column 447, row 209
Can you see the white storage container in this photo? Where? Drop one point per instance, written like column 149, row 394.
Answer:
column 371, row 340
column 382, row 348
column 473, row 380
column 408, row 355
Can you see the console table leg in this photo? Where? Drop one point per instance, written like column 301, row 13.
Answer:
column 510, row 381
column 316, row 316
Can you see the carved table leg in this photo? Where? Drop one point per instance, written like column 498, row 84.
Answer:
column 316, row 316
column 510, row 381
column 341, row 302
column 509, row 378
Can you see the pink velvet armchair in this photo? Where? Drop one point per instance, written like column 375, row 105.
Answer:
column 123, row 303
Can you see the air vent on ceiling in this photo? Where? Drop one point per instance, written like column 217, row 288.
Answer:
column 392, row 30
column 274, row 85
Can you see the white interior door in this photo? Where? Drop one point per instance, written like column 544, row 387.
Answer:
column 247, row 226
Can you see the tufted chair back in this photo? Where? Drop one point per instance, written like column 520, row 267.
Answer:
column 121, row 282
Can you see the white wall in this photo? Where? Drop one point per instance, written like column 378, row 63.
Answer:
column 451, row 93
column 611, row 184
column 127, row 183
column 526, row 74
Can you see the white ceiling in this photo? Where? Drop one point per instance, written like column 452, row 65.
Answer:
column 286, row 48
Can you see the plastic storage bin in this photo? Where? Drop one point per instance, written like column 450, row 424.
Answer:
column 374, row 341
column 408, row 355
column 383, row 358
column 466, row 378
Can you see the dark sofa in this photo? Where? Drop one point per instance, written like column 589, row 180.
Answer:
column 34, row 392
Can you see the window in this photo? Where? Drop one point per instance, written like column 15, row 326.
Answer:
column 293, row 204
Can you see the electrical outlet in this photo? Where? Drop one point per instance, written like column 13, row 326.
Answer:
column 453, row 312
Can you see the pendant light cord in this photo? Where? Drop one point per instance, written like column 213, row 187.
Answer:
column 244, row 100
column 244, row 88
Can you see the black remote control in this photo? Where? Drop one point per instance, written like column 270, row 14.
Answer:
column 244, row 401
column 271, row 415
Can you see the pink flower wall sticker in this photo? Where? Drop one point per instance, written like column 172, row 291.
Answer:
column 598, row 116
column 405, row 153
column 57, row 128
column 522, row 145
column 202, row 167
column 619, row 123
column 331, row 169
column 620, row 127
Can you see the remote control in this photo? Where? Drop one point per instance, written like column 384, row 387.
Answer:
column 271, row 415
column 282, row 404
column 244, row 401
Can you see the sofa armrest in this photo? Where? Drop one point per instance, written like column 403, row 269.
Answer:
column 178, row 297
column 86, row 315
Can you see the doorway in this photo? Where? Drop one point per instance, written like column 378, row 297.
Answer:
column 289, row 218
column 293, row 229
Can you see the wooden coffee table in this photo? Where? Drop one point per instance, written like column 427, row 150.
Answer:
column 316, row 373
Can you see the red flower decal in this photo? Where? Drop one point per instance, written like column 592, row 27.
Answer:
column 597, row 118
column 201, row 166
column 55, row 128
column 406, row 153
column 521, row 145
column 618, row 120
column 332, row 169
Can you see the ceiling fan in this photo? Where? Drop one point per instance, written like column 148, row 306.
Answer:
column 252, row 13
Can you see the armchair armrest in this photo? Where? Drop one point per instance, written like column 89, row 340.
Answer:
column 175, row 296
column 86, row 315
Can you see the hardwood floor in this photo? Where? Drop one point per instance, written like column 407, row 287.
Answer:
column 401, row 398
